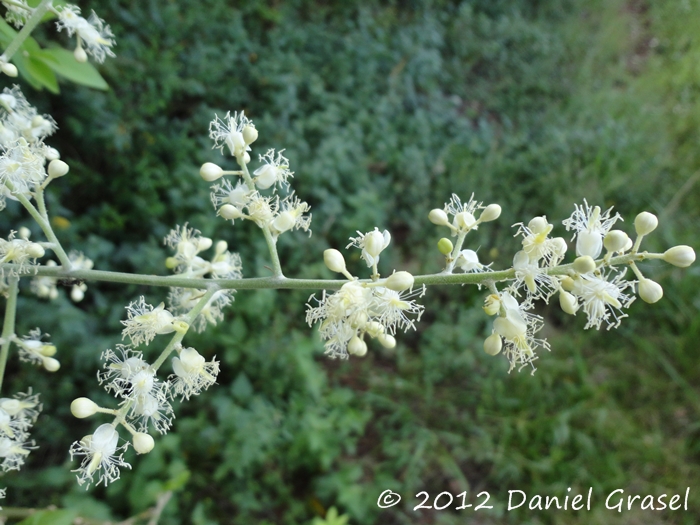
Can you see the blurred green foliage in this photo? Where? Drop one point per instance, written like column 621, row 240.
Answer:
column 385, row 109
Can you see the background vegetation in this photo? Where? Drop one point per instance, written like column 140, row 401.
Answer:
column 385, row 108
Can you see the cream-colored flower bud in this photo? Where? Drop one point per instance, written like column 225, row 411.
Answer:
column 246, row 158
column 83, row 407
column 492, row 304
column 80, row 55
column 24, row 233
column 386, row 340
column 438, row 217
column 628, row 245
column 589, row 243
column 465, row 220
column 681, row 256
column 357, row 347
column 171, row 262
column 568, row 302
column 9, row 69
column 211, row 172
column 143, row 443
column 584, row 264
column 334, row 260
column 559, row 246
column 650, row 291
column 51, row 364
column 250, row 134
column 615, row 241
column 35, row 251
column 204, row 243
column 57, row 168
column 493, row 344
column 230, row 212
column 538, row 225
column 490, row 213
column 399, row 281
column 77, row 294
column 445, row 246
column 567, row 283
column 221, row 247
column 645, row 223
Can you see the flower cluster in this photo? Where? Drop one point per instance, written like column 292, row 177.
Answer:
column 376, row 309
column 21, row 252
column 33, row 350
column 243, row 199
column 17, row 415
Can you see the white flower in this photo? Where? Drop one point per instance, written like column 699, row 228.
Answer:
column 14, row 453
column 291, row 217
column 19, row 251
column 538, row 245
column 226, row 265
column 274, row 171
column 538, row 284
column 145, row 322
column 518, row 328
column 92, row 32
column 24, row 407
column 17, row 14
column 225, row 193
column 262, row 210
column 19, row 119
column 33, row 350
column 192, row 373
column 152, row 408
column 463, row 214
column 187, row 244
column 603, row 298
column 468, row 261
column 22, row 165
column 371, row 244
column 101, row 456
column 120, row 369
column 394, row 309
column 590, row 226
column 228, row 132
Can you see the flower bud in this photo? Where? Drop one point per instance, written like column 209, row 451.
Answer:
column 650, row 291
column 357, row 347
column 250, row 134
column 204, row 243
column 386, row 340
column 57, row 168
column 51, row 364
column 83, row 407
column 229, row 211
column 51, row 154
column 211, row 172
column 645, row 223
column 399, row 281
column 493, row 344
column 559, row 246
column 221, row 247
column 681, row 256
column 143, row 443
column 171, row 262
column 25, row 233
column 589, row 243
column 9, row 69
column 445, row 246
column 47, row 350
column 568, row 302
column 80, row 55
column 490, row 213
column 35, row 251
column 334, row 260
column 615, row 241
column 246, row 158
column 438, row 217
column 584, row 264
column 77, row 294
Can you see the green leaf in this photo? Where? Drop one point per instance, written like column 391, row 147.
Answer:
column 37, row 67
column 64, row 63
column 50, row 517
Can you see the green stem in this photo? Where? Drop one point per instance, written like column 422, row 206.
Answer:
column 279, row 283
column 8, row 327
column 42, row 219
column 269, row 239
column 29, row 26
column 455, row 252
